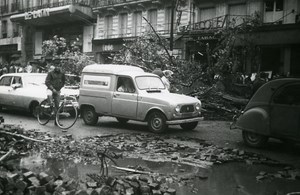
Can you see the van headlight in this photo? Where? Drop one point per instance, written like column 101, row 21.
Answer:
column 177, row 109
column 198, row 106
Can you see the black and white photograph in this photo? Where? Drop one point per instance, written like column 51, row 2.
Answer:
column 149, row 97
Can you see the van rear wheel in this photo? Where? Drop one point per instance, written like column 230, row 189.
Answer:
column 89, row 116
column 254, row 140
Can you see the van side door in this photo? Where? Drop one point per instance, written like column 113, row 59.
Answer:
column 124, row 100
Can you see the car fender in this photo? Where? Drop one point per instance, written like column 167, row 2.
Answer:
column 254, row 120
column 145, row 116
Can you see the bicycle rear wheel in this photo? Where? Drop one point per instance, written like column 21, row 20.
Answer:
column 66, row 115
column 44, row 112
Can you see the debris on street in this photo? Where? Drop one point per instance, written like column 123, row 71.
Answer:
column 104, row 150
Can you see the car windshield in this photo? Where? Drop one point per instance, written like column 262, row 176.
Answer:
column 36, row 80
column 149, row 82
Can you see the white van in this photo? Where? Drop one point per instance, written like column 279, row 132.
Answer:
column 128, row 93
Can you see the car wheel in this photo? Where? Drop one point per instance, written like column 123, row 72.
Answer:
column 157, row 122
column 189, row 126
column 122, row 120
column 34, row 109
column 254, row 139
column 89, row 116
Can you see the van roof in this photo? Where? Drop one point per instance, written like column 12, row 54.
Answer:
column 111, row 68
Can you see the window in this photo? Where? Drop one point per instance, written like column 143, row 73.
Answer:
column 125, row 85
column 5, row 81
column 15, row 27
column 273, row 11
column 17, row 80
column 152, row 18
column 168, row 20
column 108, row 22
column 123, row 18
column 236, row 13
column 290, row 95
column 137, row 23
column 4, row 29
column 206, row 13
column 273, row 5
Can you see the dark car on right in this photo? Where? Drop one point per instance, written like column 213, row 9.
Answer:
column 273, row 111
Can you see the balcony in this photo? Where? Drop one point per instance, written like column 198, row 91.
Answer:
column 57, row 4
column 115, row 3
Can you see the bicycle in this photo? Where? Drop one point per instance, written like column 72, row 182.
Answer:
column 66, row 115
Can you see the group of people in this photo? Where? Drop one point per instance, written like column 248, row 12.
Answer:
column 164, row 75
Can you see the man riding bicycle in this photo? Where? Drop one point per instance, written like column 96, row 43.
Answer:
column 55, row 80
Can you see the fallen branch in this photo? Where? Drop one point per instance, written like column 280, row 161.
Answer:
column 131, row 170
column 22, row 136
column 6, row 155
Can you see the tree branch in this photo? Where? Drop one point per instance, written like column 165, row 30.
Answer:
column 22, row 136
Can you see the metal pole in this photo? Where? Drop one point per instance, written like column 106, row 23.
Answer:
column 172, row 25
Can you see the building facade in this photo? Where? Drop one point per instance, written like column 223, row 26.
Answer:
column 278, row 38
column 27, row 23
column 103, row 26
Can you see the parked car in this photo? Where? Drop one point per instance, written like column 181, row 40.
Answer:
column 24, row 91
column 143, row 98
column 273, row 111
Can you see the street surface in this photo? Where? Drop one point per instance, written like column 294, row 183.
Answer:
column 215, row 132
column 228, row 178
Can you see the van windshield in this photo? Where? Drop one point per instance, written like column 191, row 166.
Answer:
column 149, row 82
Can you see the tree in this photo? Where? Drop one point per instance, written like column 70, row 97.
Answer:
column 68, row 56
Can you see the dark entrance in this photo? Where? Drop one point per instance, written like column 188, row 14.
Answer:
column 272, row 60
column 295, row 59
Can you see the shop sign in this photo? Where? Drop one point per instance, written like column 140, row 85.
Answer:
column 37, row 14
column 108, row 47
column 213, row 23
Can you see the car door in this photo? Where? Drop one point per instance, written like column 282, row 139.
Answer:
column 16, row 94
column 285, row 111
column 5, row 86
column 124, row 103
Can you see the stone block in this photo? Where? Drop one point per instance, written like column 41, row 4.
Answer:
column 21, row 185
column 156, row 192
column 91, row 184
column 40, row 190
column 44, row 178
column 81, row 192
column 28, row 174
column 171, row 191
column 34, row 181
column 111, row 181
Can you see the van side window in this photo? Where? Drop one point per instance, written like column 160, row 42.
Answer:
column 125, row 84
column 290, row 95
column 5, row 81
column 17, row 80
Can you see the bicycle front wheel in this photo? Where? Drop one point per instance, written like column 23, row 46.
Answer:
column 66, row 115
column 44, row 112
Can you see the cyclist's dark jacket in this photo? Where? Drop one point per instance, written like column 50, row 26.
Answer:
column 55, row 80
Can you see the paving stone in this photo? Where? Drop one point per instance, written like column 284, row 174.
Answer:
column 40, row 190
column 171, row 191
column 44, row 178
column 81, row 192
column 21, row 185
column 156, row 192
column 28, row 174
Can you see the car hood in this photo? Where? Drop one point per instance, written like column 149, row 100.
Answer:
column 172, row 98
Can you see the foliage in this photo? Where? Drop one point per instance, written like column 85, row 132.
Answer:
column 67, row 56
column 145, row 51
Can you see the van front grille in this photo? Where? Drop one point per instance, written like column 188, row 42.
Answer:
column 187, row 108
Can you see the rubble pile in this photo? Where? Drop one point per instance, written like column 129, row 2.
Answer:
column 218, row 105
column 157, row 148
column 26, row 182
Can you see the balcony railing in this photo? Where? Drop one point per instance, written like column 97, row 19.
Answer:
column 100, row 3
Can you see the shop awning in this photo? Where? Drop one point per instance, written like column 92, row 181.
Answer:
column 55, row 15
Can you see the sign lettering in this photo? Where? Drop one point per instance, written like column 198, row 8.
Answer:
column 108, row 47
column 37, row 14
column 213, row 23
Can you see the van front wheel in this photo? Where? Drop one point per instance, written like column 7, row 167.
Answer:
column 89, row 116
column 157, row 122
